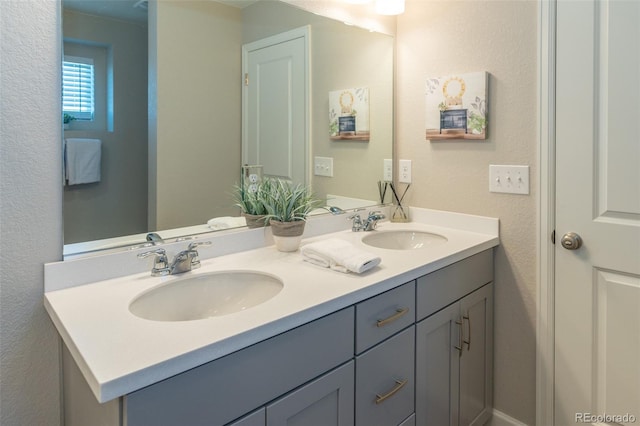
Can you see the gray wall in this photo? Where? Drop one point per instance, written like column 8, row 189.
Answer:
column 117, row 205
column 30, row 209
column 439, row 38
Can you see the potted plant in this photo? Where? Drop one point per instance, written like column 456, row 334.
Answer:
column 287, row 207
column 249, row 197
column 66, row 119
column 477, row 123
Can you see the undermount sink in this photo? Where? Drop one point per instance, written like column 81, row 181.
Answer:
column 403, row 240
column 206, row 295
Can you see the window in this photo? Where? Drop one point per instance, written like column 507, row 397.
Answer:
column 78, row 87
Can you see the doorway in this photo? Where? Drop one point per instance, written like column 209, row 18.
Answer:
column 589, row 293
column 275, row 106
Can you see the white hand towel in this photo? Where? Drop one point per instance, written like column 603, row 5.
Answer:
column 339, row 255
column 226, row 222
column 82, row 160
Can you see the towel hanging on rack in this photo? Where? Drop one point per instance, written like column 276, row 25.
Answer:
column 82, row 160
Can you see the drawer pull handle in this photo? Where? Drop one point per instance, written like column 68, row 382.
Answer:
column 399, row 385
column 468, row 339
column 399, row 312
column 460, row 346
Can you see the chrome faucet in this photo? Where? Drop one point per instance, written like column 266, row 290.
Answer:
column 334, row 210
column 193, row 253
column 160, row 262
column 356, row 225
column 366, row 225
column 154, row 238
column 184, row 261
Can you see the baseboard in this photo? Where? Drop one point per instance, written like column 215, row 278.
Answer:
column 501, row 419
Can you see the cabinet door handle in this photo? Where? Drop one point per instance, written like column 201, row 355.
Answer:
column 468, row 339
column 460, row 337
column 399, row 312
column 399, row 385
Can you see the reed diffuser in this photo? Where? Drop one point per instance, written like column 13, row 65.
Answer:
column 399, row 210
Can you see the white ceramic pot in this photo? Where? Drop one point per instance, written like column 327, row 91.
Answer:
column 287, row 243
column 287, row 235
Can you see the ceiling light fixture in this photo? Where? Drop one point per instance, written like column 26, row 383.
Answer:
column 389, row 7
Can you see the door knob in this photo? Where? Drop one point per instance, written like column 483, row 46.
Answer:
column 571, row 241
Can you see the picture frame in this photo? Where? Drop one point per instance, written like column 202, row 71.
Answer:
column 457, row 106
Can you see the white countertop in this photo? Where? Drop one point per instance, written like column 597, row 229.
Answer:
column 119, row 353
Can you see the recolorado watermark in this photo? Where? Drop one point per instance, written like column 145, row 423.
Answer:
column 605, row 418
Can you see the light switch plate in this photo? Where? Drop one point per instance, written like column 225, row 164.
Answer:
column 404, row 174
column 509, row 179
column 323, row 166
column 387, row 170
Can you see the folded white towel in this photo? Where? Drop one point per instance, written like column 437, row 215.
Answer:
column 339, row 255
column 82, row 160
column 226, row 222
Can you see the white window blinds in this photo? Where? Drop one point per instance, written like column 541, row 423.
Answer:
column 78, row 87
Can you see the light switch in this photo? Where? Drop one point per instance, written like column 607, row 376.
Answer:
column 509, row 179
column 323, row 166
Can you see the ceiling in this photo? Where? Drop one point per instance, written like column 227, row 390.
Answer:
column 129, row 10
column 126, row 10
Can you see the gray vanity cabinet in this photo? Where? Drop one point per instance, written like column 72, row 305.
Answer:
column 454, row 346
column 410, row 421
column 385, row 381
column 385, row 348
column 257, row 418
column 326, row 401
column 418, row 354
column 476, row 360
column 382, row 316
column 437, row 369
column 227, row 388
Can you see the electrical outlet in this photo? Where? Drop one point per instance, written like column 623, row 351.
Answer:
column 404, row 175
column 509, row 179
column 387, row 170
column 323, row 166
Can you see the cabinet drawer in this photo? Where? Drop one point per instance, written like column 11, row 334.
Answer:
column 327, row 401
column 384, row 315
column 444, row 286
column 222, row 390
column 381, row 397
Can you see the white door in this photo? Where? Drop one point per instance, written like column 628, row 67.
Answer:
column 275, row 105
column 597, row 288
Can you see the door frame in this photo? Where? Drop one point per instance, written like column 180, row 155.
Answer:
column 305, row 34
column 546, row 189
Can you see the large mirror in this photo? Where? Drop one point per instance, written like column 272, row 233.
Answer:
column 168, row 112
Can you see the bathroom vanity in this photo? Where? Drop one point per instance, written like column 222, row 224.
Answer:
column 408, row 343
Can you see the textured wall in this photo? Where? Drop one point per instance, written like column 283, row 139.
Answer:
column 30, row 209
column 437, row 38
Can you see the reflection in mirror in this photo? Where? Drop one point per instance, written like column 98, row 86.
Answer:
column 168, row 113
